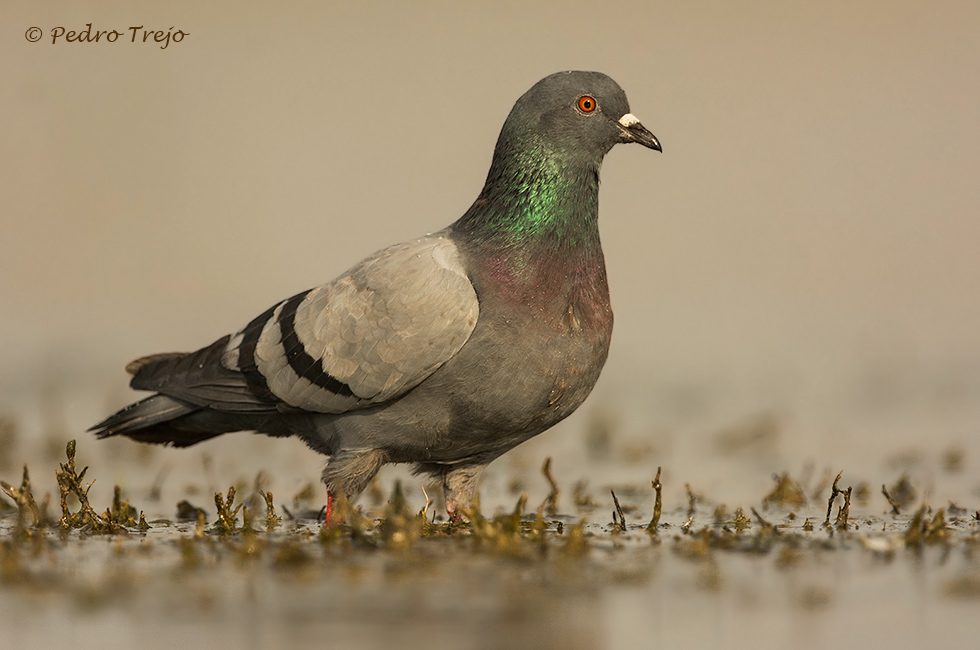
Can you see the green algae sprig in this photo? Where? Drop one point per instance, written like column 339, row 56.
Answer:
column 70, row 484
column 842, row 512
column 226, row 522
column 923, row 530
column 550, row 504
column 896, row 506
column 787, row 493
column 741, row 522
column 121, row 511
column 581, row 497
column 576, row 543
column 619, row 519
column 658, row 504
column 902, row 493
column 401, row 527
column 272, row 521
column 503, row 534
column 26, row 505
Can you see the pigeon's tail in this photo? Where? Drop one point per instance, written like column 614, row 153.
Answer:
column 161, row 419
column 195, row 398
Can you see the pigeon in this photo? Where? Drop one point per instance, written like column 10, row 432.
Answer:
column 445, row 351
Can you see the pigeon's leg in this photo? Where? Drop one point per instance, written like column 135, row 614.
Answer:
column 459, row 485
column 347, row 474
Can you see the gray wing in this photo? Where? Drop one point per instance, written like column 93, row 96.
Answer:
column 365, row 338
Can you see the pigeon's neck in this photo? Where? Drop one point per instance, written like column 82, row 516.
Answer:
column 533, row 232
column 536, row 205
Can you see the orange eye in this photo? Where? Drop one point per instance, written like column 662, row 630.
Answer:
column 586, row 104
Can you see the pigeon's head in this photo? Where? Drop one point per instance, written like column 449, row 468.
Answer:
column 578, row 114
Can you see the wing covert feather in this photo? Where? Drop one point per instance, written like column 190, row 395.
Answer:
column 371, row 334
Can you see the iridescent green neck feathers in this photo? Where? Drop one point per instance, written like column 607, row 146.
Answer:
column 535, row 197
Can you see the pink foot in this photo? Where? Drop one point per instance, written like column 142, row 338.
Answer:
column 455, row 513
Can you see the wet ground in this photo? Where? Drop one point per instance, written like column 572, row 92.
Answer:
column 551, row 559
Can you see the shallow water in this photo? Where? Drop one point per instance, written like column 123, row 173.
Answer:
column 445, row 594
column 699, row 582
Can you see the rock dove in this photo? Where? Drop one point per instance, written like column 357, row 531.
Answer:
column 445, row 351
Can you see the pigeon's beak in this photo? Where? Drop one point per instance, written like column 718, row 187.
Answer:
column 633, row 131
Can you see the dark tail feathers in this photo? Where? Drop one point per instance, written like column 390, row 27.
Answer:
column 159, row 419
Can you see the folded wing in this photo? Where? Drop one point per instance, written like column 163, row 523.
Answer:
column 365, row 338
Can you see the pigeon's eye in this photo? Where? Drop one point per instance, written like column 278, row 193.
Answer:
column 586, row 104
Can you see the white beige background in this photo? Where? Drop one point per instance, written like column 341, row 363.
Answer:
column 806, row 246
